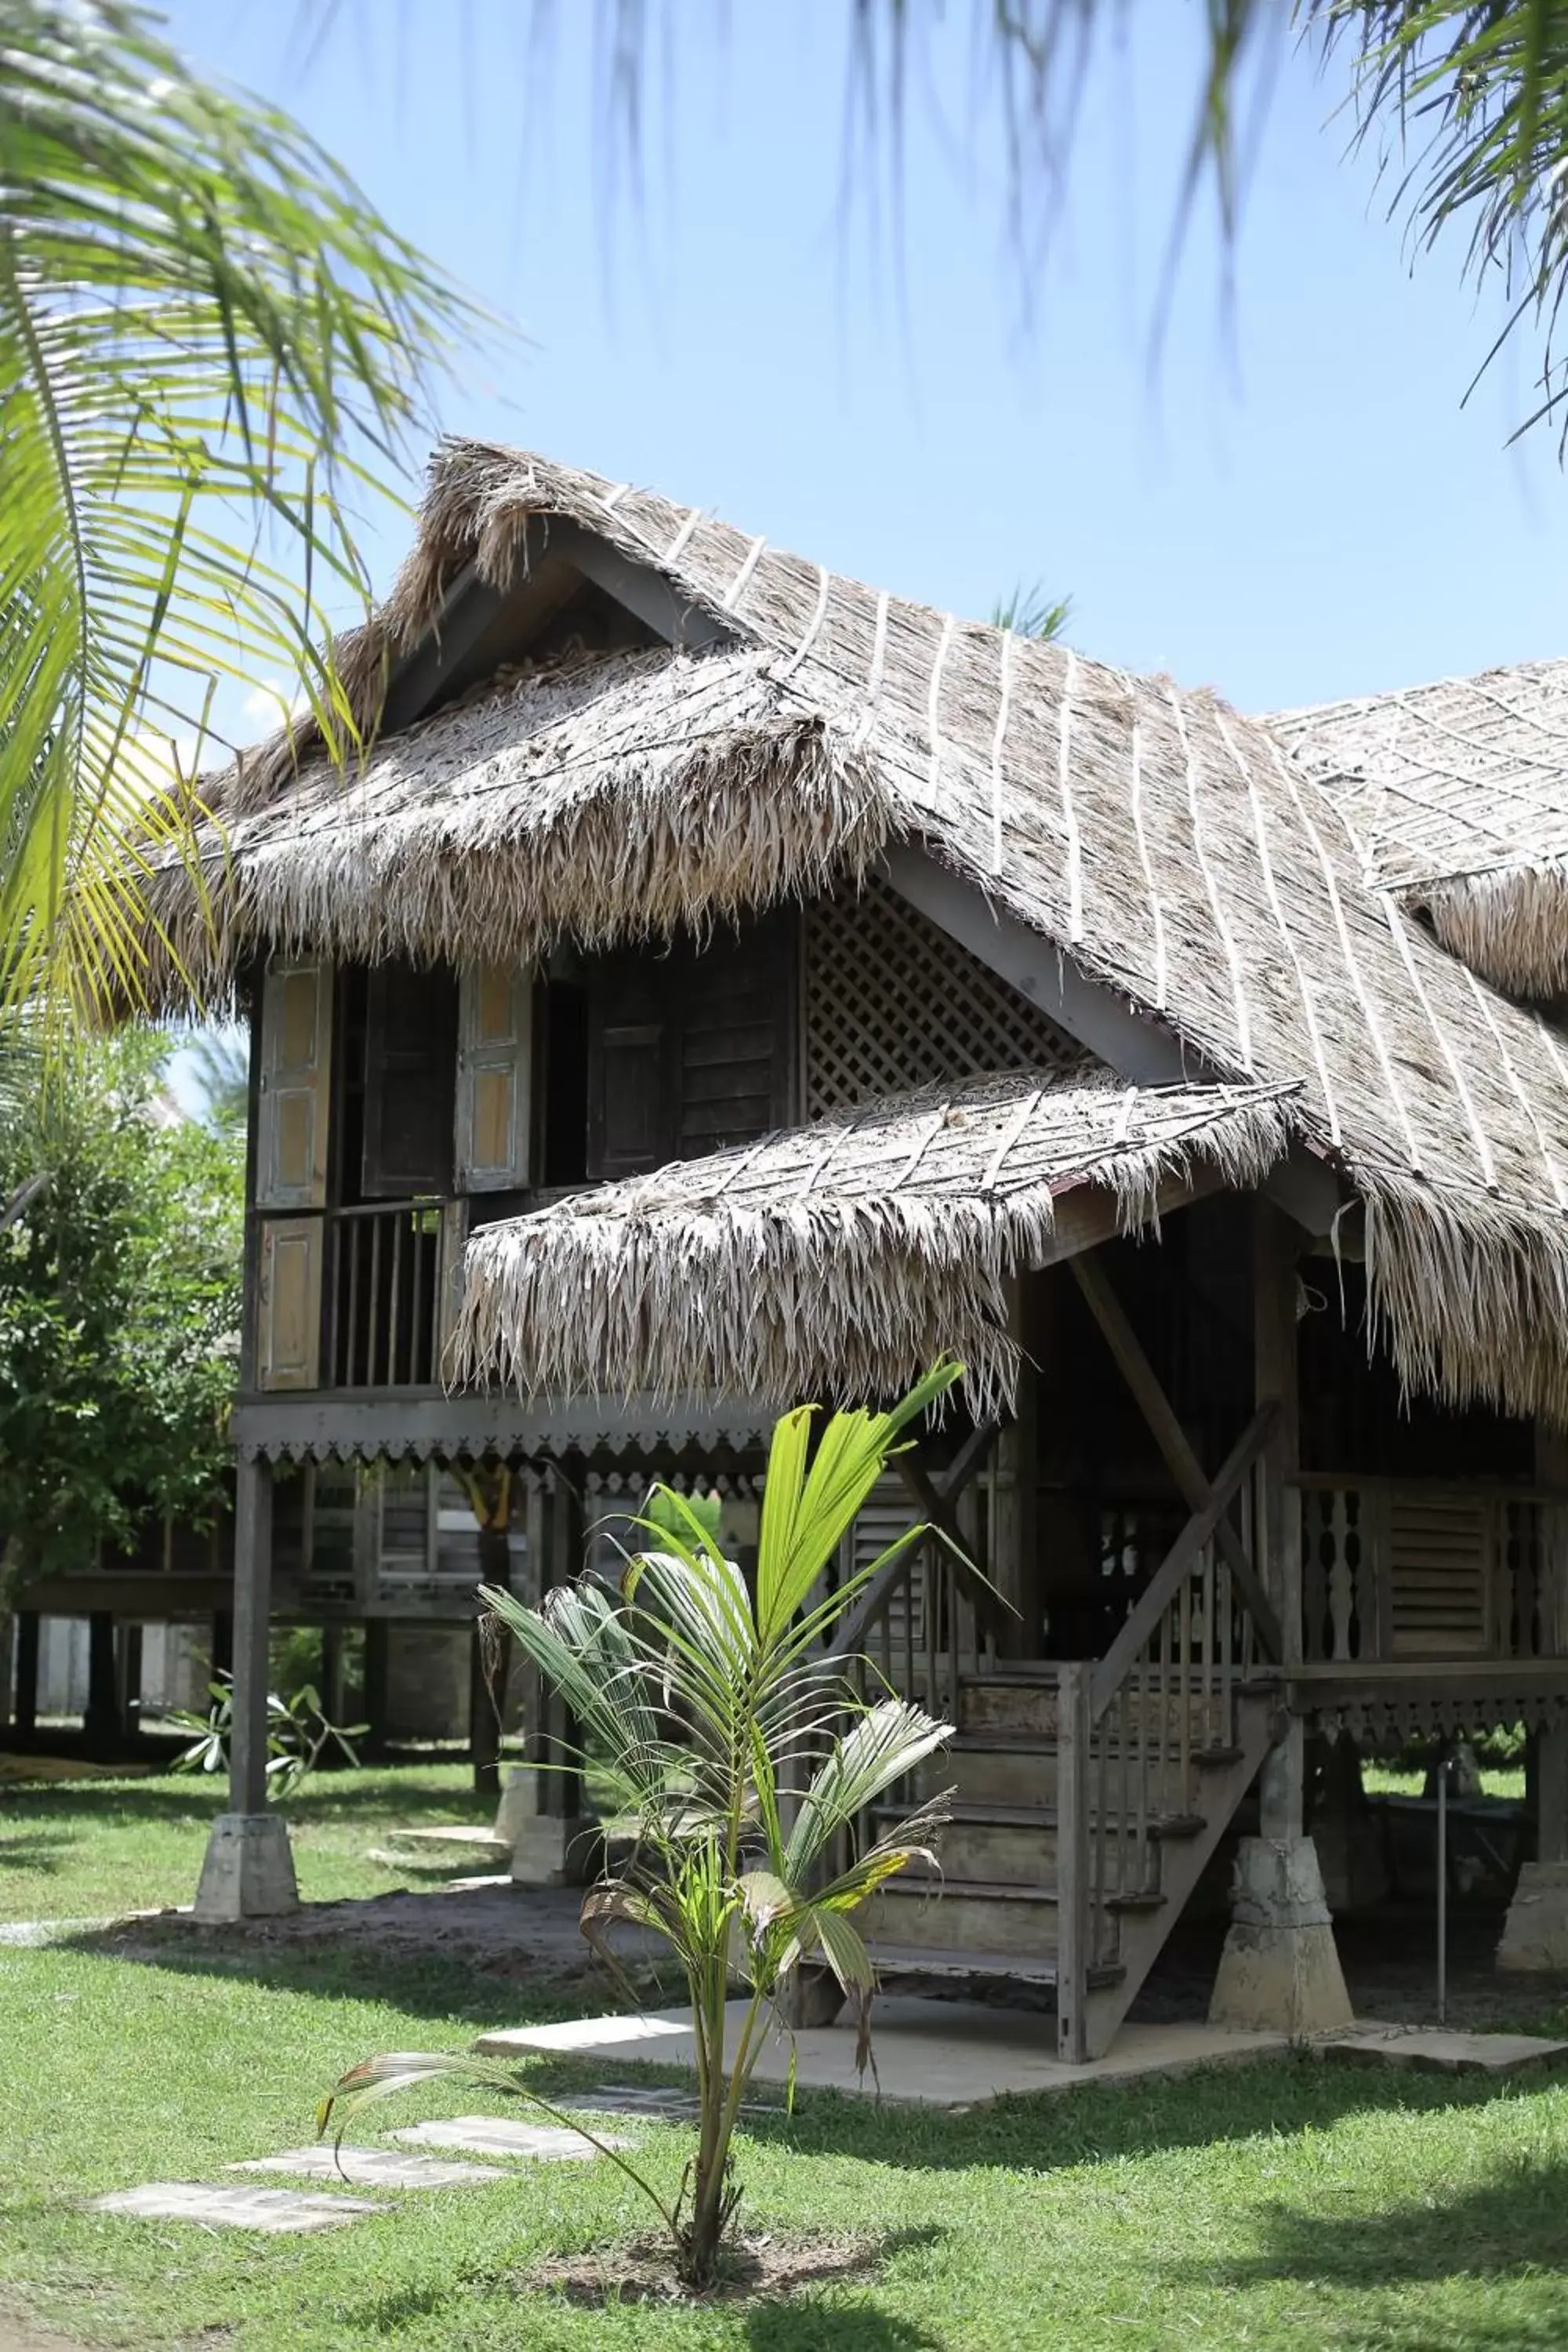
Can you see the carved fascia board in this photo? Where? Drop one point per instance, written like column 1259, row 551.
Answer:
column 1447, row 1704
column 391, row 1428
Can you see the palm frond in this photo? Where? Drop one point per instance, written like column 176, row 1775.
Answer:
column 210, row 349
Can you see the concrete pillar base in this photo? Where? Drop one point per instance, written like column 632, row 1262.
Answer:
column 553, row 1849
column 247, row 1871
column 1281, row 1970
column 1535, row 1933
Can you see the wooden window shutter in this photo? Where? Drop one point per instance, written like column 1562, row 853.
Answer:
column 634, row 1069
column 289, row 1329
column 410, row 1077
column 296, row 1072
column 1439, row 1574
column 495, row 1063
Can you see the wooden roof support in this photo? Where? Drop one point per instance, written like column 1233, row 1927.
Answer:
column 1172, row 1439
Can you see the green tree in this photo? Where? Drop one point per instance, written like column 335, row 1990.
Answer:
column 731, row 1728
column 211, row 347
column 120, row 1289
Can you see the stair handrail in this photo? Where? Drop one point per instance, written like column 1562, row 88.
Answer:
column 1179, row 1562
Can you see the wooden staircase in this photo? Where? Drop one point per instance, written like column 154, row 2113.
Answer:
column 991, row 1909
column 1089, row 1794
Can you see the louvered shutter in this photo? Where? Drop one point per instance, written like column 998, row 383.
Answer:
column 495, row 1062
column 296, row 1072
column 1438, row 1575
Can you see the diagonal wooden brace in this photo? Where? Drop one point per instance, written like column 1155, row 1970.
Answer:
column 1172, row 1439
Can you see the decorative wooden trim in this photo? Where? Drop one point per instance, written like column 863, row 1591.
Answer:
column 386, row 1428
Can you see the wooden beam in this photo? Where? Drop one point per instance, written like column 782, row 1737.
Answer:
column 252, row 1626
column 1283, row 1792
column 1181, row 1560
column 140, row 1599
column 1172, row 1439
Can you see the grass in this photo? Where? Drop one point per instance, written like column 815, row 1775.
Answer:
column 89, row 1849
column 1286, row 2204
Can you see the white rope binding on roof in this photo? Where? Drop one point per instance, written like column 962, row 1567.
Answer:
column 1396, row 922
column 1064, row 785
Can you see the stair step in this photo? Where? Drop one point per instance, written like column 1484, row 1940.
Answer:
column 938, row 1960
column 983, row 1813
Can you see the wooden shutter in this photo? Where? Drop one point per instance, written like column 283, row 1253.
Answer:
column 296, row 1071
column 410, row 1076
column 290, row 1333
column 633, row 1103
column 495, row 1057
column 1438, row 1575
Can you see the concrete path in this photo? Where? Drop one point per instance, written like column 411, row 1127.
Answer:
column 950, row 2054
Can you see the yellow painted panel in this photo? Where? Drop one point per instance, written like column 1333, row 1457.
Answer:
column 291, row 1305
column 298, row 992
column 494, row 1012
column 294, row 1165
column 494, row 1095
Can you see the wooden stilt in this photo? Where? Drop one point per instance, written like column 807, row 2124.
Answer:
column 252, row 1630
column 26, row 1705
column 102, row 1726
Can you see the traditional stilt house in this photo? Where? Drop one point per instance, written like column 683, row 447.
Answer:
column 724, row 985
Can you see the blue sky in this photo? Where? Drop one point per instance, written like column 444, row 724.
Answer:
column 1291, row 503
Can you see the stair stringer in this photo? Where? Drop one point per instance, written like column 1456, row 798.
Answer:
column 1143, row 1931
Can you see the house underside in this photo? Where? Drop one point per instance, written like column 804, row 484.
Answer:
column 725, row 987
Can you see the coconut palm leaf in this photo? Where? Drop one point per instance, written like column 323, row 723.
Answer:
column 742, row 1744
column 210, row 347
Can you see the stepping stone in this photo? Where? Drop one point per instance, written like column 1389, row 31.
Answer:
column 1435, row 2050
column 663, row 2102
column 446, row 1842
column 372, row 2168
column 489, row 2135
column 276, row 2211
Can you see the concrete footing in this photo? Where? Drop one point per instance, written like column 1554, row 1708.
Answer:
column 1535, row 1933
column 554, row 1849
column 247, row 1871
column 1280, row 1969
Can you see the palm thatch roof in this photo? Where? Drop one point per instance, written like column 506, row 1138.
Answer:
column 1156, row 841
column 1456, row 794
column 835, row 1260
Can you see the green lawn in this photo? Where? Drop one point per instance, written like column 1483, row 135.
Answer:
column 1287, row 2204
column 86, row 1848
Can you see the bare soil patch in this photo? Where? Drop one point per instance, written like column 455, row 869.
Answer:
column 756, row 2267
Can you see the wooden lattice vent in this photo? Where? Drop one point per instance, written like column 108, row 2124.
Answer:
column 891, row 1002
column 1424, row 1571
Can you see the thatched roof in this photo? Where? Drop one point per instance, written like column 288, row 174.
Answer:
column 837, row 1260
column 1163, row 845
column 1456, row 794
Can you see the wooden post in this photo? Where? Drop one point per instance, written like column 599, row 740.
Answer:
column 375, row 1685
column 252, row 1630
column 1277, row 1519
column 26, row 1710
column 1073, row 1859
column 127, row 1679
column 1550, row 1745
column 102, row 1726
column 332, row 1673
column 1015, row 1569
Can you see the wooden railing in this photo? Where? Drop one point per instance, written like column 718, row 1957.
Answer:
column 383, row 1288
column 1132, row 1729
column 1403, row 1570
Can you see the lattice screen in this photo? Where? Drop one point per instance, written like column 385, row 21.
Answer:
column 892, row 1001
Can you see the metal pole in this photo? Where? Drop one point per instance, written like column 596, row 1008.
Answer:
column 1443, row 1892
